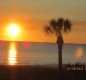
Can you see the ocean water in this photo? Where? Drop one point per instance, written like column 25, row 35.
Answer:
column 27, row 53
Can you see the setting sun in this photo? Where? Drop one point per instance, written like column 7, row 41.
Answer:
column 13, row 30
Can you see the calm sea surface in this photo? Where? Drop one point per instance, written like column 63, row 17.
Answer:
column 25, row 53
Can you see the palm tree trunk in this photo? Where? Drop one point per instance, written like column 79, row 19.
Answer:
column 60, row 46
column 60, row 57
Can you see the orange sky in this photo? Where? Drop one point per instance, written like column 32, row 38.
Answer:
column 33, row 15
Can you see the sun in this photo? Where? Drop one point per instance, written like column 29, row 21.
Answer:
column 13, row 29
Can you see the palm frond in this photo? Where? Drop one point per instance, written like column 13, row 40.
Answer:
column 57, row 26
column 47, row 29
column 60, row 23
column 67, row 25
column 53, row 23
column 54, row 26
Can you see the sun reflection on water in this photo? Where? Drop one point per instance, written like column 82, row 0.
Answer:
column 79, row 52
column 12, row 54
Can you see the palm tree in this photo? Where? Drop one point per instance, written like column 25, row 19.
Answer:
column 58, row 27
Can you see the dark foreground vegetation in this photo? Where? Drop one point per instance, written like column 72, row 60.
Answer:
column 69, row 72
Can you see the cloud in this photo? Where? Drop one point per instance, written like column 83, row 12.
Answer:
column 79, row 26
